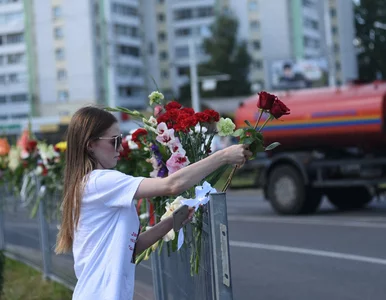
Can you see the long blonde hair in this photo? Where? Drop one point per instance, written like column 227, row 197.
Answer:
column 87, row 124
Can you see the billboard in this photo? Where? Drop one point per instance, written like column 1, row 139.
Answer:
column 299, row 74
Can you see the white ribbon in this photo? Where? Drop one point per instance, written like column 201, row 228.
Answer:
column 202, row 198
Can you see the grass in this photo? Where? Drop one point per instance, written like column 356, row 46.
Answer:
column 22, row 282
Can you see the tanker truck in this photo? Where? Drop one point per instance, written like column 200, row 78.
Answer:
column 333, row 144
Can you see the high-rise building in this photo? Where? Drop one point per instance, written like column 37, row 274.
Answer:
column 287, row 36
column 14, row 100
column 169, row 27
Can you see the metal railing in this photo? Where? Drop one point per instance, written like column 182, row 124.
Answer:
column 32, row 241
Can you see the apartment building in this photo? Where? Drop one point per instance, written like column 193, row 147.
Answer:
column 14, row 99
column 169, row 27
column 303, row 34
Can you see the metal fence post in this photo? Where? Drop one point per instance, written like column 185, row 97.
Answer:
column 44, row 233
column 2, row 225
column 220, row 247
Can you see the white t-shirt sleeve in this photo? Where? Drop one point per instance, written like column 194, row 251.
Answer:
column 116, row 189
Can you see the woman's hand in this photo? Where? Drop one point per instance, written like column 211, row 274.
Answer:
column 190, row 216
column 237, row 154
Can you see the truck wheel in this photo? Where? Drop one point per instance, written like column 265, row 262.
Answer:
column 288, row 194
column 349, row 198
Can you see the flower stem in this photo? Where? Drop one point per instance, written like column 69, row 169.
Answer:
column 257, row 122
column 229, row 180
column 266, row 121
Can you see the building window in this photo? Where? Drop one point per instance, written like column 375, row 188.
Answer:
column 254, row 25
column 19, row 116
column 62, row 75
column 334, row 30
column 333, row 12
column 17, row 77
column 165, row 74
column 1, row 60
column 257, row 64
column 63, row 96
column 3, row 99
column 58, row 33
column 15, row 38
column 161, row 17
column 256, row 45
column 128, row 50
column 126, row 30
column 338, row 66
column 183, row 32
column 3, row 117
column 163, row 55
column 56, row 12
column 183, row 14
column 19, row 98
column 308, row 3
column 182, row 71
column 182, row 52
column 252, row 5
column 59, row 54
column 124, row 10
column 3, row 79
column 203, row 12
column 14, row 59
column 161, row 36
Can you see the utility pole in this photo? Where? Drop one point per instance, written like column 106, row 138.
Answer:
column 193, row 76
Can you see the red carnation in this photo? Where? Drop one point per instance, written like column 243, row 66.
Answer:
column 31, row 145
column 136, row 134
column 279, row 109
column 265, row 100
column 213, row 116
column 173, row 105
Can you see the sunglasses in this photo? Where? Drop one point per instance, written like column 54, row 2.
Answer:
column 116, row 141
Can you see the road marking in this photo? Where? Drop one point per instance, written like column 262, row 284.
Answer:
column 320, row 222
column 367, row 259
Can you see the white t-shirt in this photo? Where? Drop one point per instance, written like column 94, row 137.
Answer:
column 105, row 238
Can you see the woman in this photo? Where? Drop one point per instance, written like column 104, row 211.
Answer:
column 99, row 222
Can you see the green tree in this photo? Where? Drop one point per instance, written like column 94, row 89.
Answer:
column 227, row 56
column 370, row 22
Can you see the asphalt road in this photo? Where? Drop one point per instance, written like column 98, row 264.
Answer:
column 329, row 255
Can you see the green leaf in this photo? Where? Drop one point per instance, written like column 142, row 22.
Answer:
column 238, row 132
column 247, row 140
column 247, row 122
column 272, row 146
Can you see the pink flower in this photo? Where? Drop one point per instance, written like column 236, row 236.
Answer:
column 177, row 161
column 176, row 146
column 157, row 110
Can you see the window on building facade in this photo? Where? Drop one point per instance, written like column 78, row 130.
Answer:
column 203, row 12
column 333, row 12
column 126, row 30
column 58, row 33
column 59, row 54
column 161, row 17
column 128, row 50
column 3, row 79
column 183, row 32
column 308, row 3
column 165, row 74
column 258, row 64
column 14, row 59
column 2, row 60
column 254, row 25
column 62, row 75
column 63, row 95
column 18, row 98
column 124, row 9
column 1, row 40
column 182, row 71
column 183, row 14
column 163, row 55
column 256, row 45
column 15, row 38
column 9, row 1
column 19, row 116
column 3, row 99
column 3, row 117
column 56, row 12
column 182, row 51
column 161, row 36
column 252, row 5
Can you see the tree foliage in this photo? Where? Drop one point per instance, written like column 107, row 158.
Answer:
column 370, row 22
column 228, row 56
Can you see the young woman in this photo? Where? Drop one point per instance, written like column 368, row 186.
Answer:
column 99, row 222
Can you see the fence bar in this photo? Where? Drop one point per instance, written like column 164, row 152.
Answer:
column 44, row 234
column 220, row 247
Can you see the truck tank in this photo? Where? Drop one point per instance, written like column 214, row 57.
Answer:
column 331, row 118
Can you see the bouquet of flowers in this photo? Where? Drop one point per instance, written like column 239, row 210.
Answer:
column 174, row 137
